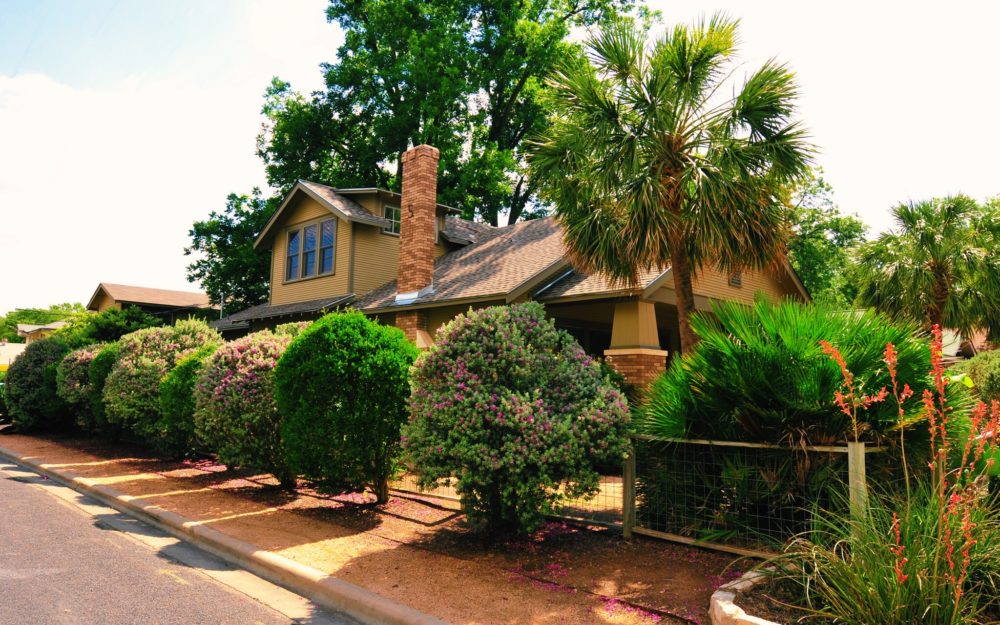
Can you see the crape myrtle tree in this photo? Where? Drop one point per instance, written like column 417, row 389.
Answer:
column 516, row 412
column 655, row 159
column 938, row 265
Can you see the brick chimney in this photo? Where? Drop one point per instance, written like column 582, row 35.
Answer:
column 417, row 217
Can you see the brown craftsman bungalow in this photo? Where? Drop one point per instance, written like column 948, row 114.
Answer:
column 163, row 303
column 407, row 261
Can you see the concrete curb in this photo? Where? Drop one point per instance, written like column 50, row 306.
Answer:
column 332, row 593
column 722, row 609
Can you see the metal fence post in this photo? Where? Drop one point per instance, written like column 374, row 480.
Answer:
column 628, row 495
column 857, row 484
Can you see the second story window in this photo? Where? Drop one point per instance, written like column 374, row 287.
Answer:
column 391, row 213
column 311, row 250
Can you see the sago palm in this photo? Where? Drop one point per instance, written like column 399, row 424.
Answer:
column 939, row 265
column 657, row 158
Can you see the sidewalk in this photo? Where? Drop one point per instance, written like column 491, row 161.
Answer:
column 415, row 551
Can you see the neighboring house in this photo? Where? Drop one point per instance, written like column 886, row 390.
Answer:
column 8, row 352
column 163, row 303
column 32, row 332
column 407, row 261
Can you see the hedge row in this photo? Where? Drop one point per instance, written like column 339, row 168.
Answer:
column 506, row 402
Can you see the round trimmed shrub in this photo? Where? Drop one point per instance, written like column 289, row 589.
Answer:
column 3, row 396
column 984, row 370
column 235, row 412
column 132, row 390
column 177, row 427
column 73, row 382
column 515, row 411
column 342, row 386
column 100, row 368
column 31, row 386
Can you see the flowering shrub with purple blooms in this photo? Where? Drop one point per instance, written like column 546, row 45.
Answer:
column 132, row 390
column 515, row 410
column 235, row 413
column 342, row 386
column 73, row 382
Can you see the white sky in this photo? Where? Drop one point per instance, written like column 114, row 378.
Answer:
column 112, row 143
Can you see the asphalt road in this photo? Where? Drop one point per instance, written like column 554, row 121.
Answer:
column 67, row 560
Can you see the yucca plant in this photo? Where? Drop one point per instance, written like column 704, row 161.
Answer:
column 759, row 374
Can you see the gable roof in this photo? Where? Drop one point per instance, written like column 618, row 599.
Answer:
column 505, row 262
column 242, row 319
column 123, row 293
column 337, row 202
column 24, row 329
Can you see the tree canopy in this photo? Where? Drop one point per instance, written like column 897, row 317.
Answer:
column 650, row 162
column 465, row 76
column 938, row 265
column 822, row 242
column 36, row 316
column 229, row 269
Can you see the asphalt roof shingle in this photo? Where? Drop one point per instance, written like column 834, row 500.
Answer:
column 505, row 259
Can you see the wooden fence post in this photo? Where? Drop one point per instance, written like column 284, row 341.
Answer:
column 857, row 483
column 628, row 495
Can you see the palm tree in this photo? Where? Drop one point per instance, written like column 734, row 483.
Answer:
column 939, row 265
column 649, row 162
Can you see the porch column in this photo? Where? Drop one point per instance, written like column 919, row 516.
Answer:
column 635, row 343
column 414, row 324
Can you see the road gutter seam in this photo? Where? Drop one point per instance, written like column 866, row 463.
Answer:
column 325, row 590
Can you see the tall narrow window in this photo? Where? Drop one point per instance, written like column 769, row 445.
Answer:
column 292, row 266
column 326, row 246
column 391, row 213
column 308, row 251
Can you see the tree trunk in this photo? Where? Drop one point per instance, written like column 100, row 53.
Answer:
column 381, row 489
column 680, row 266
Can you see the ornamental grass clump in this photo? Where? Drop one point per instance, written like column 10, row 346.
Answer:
column 929, row 555
column 73, row 382
column 342, row 386
column 515, row 412
column 132, row 390
column 235, row 414
column 30, row 387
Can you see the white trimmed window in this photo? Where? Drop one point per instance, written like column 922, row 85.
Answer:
column 392, row 214
column 311, row 249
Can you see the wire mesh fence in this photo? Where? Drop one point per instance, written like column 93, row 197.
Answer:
column 742, row 496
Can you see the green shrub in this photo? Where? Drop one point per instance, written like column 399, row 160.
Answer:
column 236, row 415
column 984, row 370
column 31, row 386
column 292, row 329
column 342, row 386
column 759, row 374
column 107, row 326
column 3, row 396
column 73, row 382
column 100, row 367
column 132, row 390
column 517, row 412
column 177, row 405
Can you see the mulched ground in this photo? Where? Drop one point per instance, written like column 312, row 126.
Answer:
column 418, row 550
